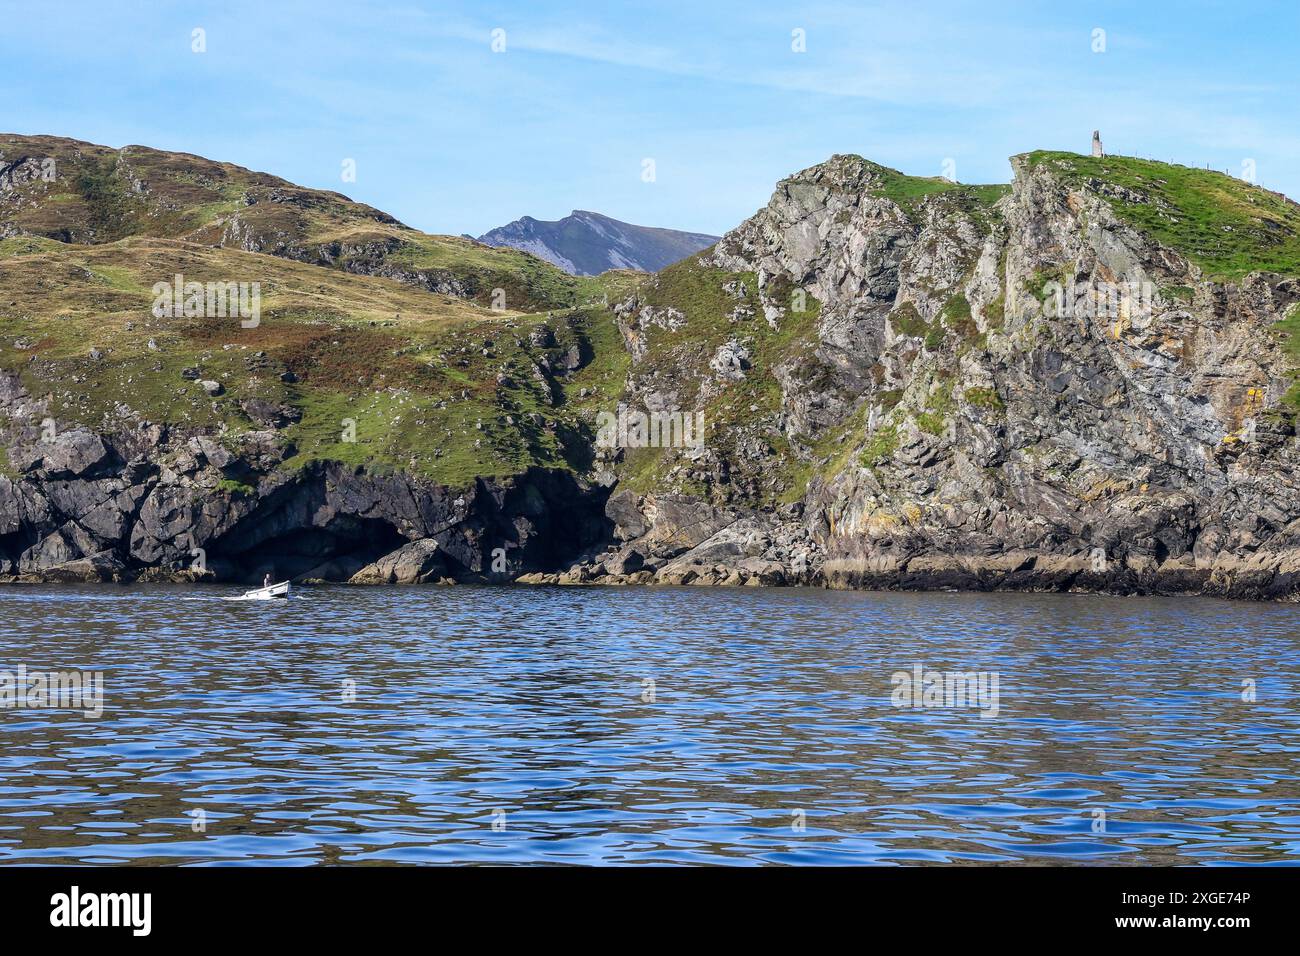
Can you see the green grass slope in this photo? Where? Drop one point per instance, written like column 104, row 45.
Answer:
column 1227, row 226
column 97, row 194
column 432, row 384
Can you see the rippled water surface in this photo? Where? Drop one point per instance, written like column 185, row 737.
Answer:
column 506, row 725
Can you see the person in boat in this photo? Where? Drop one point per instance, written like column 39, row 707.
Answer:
column 266, row 582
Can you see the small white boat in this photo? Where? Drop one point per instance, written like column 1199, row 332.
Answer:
column 280, row 590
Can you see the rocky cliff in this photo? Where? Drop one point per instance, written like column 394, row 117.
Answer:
column 156, row 504
column 1083, row 380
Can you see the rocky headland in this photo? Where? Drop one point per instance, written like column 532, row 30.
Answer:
column 1084, row 380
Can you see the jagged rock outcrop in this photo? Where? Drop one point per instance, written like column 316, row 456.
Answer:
column 964, row 425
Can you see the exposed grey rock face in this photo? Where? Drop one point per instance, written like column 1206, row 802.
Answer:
column 145, row 502
column 372, row 257
column 72, row 454
column 998, row 443
column 587, row 243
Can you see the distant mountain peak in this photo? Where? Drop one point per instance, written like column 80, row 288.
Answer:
column 589, row 243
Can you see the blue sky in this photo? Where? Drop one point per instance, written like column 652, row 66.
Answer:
column 452, row 137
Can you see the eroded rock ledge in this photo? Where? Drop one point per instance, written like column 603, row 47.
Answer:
column 670, row 540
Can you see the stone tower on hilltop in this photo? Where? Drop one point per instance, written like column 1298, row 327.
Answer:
column 1096, row 144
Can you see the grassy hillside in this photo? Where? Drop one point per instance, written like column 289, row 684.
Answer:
column 99, row 195
column 1228, row 227
column 434, row 384
column 378, row 345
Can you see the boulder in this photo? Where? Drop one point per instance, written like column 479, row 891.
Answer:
column 676, row 575
column 622, row 508
column 51, row 551
column 414, row 563
column 626, row 561
column 73, row 454
column 217, row 455
column 103, row 566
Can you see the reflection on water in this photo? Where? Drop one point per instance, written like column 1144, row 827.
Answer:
column 682, row 725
